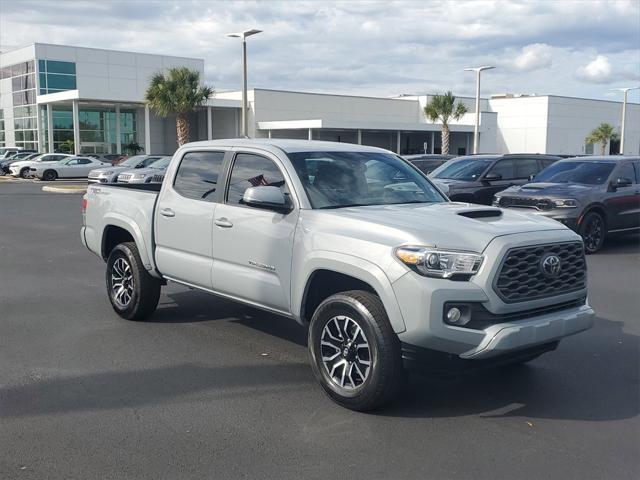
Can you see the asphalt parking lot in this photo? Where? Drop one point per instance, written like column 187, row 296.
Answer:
column 210, row 389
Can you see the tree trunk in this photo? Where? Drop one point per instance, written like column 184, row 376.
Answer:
column 445, row 139
column 182, row 128
column 603, row 146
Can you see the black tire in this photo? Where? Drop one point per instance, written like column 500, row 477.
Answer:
column 49, row 175
column 593, row 230
column 142, row 290
column 380, row 383
column 24, row 172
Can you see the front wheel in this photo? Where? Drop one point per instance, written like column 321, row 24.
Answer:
column 592, row 231
column 24, row 173
column 133, row 293
column 354, row 352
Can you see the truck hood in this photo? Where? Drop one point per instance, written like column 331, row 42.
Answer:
column 453, row 225
column 541, row 189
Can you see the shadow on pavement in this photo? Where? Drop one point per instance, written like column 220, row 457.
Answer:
column 117, row 390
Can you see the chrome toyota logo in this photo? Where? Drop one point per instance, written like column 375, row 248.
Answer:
column 550, row 265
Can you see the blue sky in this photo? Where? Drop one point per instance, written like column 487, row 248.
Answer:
column 577, row 48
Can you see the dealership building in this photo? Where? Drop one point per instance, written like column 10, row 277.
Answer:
column 50, row 94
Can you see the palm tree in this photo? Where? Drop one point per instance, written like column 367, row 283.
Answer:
column 444, row 108
column 177, row 92
column 602, row 134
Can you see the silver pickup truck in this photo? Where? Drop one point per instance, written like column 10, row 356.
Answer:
column 388, row 274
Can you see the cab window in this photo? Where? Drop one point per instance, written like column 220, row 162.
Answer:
column 197, row 175
column 626, row 171
column 526, row 167
column 504, row 168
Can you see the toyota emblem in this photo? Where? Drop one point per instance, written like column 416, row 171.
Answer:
column 550, row 265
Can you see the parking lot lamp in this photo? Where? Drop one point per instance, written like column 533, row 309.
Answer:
column 243, row 35
column 624, row 114
column 477, row 124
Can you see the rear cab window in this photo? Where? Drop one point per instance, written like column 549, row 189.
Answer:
column 197, row 175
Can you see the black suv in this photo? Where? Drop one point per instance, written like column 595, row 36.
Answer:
column 477, row 178
column 591, row 195
column 428, row 162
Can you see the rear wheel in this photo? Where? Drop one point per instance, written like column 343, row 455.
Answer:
column 133, row 293
column 354, row 352
column 49, row 175
column 592, row 231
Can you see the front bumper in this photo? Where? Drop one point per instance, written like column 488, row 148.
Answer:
column 567, row 216
column 507, row 328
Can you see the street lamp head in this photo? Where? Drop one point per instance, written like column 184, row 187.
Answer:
column 244, row 34
column 478, row 69
column 624, row 89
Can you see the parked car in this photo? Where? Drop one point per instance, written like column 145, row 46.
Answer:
column 6, row 162
column 110, row 174
column 477, row 178
column 385, row 278
column 593, row 196
column 6, row 152
column 72, row 167
column 145, row 175
column 429, row 162
column 23, row 168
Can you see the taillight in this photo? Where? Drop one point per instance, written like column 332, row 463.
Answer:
column 84, row 204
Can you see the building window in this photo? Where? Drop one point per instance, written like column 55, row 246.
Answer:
column 23, row 95
column 56, row 76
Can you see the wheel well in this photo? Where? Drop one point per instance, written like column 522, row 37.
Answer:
column 114, row 236
column 323, row 284
column 594, row 208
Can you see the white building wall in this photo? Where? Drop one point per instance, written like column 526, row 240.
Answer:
column 521, row 124
column 570, row 120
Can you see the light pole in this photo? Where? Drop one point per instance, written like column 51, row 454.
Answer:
column 243, row 35
column 624, row 114
column 477, row 125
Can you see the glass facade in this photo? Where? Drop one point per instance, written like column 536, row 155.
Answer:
column 56, row 76
column 23, row 91
column 2, row 144
column 97, row 128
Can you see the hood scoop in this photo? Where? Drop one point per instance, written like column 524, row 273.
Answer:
column 481, row 213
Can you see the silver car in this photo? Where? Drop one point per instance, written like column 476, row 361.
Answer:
column 145, row 175
column 110, row 174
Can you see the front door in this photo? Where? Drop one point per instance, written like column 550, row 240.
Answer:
column 184, row 219
column 504, row 169
column 252, row 247
column 623, row 205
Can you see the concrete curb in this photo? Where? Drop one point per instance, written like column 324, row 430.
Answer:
column 6, row 178
column 65, row 189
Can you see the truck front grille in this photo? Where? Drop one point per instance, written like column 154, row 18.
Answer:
column 157, row 178
column 523, row 277
column 124, row 177
column 524, row 202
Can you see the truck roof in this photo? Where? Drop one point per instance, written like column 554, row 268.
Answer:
column 288, row 145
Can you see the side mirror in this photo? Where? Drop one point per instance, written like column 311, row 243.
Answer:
column 266, row 197
column 490, row 177
column 621, row 182
column 531, row 177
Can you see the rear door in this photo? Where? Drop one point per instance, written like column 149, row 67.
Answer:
column 184, row 219
column 252, row 247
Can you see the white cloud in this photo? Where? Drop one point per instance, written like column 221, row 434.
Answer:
column 534, row 57
column 596, row 71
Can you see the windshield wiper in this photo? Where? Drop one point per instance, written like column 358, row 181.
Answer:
column 327, row 207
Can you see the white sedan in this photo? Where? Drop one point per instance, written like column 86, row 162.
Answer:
column 74, row 167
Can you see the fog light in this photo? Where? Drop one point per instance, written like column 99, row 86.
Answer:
column 453, row 315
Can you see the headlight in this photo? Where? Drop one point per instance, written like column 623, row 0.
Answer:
column 565, row 203
column 496, row 201
column 433, row 262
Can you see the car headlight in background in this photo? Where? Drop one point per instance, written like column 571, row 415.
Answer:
column 433, row 262
column 496, row 201
column 565, row 203
column 138, row 176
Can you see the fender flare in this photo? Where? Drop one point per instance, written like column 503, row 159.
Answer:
column 118, row 220
column 352, row 266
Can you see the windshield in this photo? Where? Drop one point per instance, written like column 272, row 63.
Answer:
column 346, row 179
column 132, row 161
column 162, row 163
column 587, row 173
column 467, row 169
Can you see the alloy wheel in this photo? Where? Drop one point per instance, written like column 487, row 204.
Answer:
column 593, row 234
column 122, row 282
column 345, row 351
